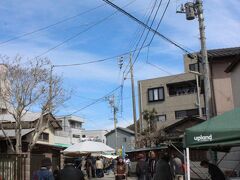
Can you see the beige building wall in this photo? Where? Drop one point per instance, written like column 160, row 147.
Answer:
column 222, row 87
column 235, row 77
column 171, row 103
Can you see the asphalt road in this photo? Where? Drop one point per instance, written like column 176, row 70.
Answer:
column 111, row 177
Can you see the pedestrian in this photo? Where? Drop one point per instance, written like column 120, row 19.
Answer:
column 142, row 168
column 99, row 168
column 69, row 171
column 44, row 172
column 177, row 167
column 120, row 169
column 152, row 164
column 88, row 166
column 214, row 171
column 163, row 170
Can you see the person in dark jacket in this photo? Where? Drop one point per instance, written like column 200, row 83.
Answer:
column 142, row 168
column 214, row 171
column 120, row 169
column 44, row 172
column 70, row 172
column 152, row 164
column 163, row 169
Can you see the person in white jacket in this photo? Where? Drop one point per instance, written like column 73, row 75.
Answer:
column 99, row 168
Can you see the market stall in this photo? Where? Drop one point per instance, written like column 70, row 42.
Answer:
column 216, row 133
column 88, row 147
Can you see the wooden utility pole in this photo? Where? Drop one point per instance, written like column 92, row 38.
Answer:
column 133, row 100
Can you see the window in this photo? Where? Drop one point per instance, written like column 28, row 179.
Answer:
column 186, row 113
column 76, row 136
column 194, row 67
column 75, row 124
column 156, row 94
column 161, row 118
column 124, row 139
column 44, row 137
column 183, row 88
column 3, row 111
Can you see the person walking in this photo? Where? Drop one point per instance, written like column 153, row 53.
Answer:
column 99, row 168
column 69, row 171
column 163, row 170
column 214, row 171
column 177, row 167
column 44, row 172
column 152, row 164
column 120, row 169
column 142, row 168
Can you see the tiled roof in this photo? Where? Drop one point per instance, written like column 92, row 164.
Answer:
column 223, row 52
column 29, row 116
column 11, row 132
column 123, row 129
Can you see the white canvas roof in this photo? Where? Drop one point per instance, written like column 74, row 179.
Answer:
column 88, row 147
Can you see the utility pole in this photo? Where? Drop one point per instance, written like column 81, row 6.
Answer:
column 193, row 10
column 111, row 101
column 206, row 72
column 133, row 100
column 50, row 104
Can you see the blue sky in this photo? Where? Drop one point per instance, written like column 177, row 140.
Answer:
column 113, row 36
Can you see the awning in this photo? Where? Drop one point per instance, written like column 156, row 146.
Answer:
column 88, row 147
column 222, row 130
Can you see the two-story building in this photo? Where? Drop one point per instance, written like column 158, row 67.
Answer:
column 173, row 97
column 72, row 127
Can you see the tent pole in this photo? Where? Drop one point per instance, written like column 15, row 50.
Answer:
column 188, row 163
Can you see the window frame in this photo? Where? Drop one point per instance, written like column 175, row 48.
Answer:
column 162, row 115
column 41, row 137
column 158, row 90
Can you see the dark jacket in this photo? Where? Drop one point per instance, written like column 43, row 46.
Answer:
column 152, row 166
column 69, row 172
column 163, row 171
column 142, row 170
column 43, row 174
column 215, row 172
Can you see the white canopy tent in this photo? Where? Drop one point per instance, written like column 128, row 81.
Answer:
column 88, row 147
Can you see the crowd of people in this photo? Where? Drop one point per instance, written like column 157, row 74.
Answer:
column 151, row 167
column 162, row 168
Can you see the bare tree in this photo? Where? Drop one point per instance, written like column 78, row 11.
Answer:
column 30, row 84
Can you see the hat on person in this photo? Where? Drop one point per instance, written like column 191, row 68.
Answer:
column 141, row 156
column 46, row 162
column 69, row 160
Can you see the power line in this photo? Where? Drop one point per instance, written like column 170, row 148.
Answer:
column 96, row 101
column 144, row 32
column 145, row 25
column 159, row 5
column 51, row 25
column 160, row 21
column 97, row 61
column 78, row 34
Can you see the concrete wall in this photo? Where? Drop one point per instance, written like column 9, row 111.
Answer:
column 222, row 87
column 129, row 144
column 171, row 103
column 235, row 75
column 94, row 134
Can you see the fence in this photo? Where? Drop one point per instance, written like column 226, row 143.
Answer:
column 13, row 167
